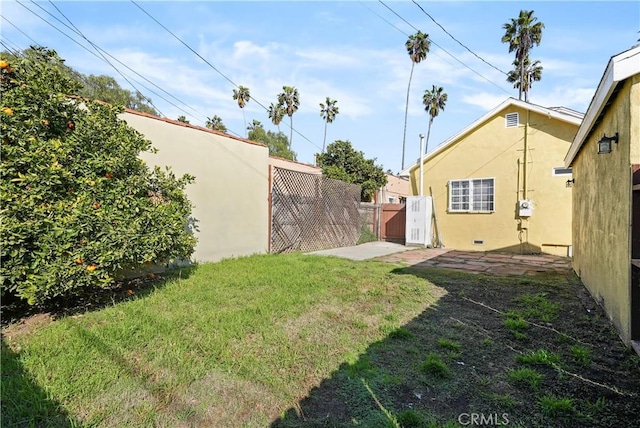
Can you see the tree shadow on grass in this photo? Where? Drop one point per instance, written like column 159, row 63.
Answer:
column 454, row 359
column 15, row 310
column 24, row 403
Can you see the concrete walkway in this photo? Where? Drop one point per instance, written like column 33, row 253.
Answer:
column 468, row 261
column 369, row 250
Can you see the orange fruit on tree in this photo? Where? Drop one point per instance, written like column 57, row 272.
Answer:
column 4, row 63
column 79, row 261
column 91, row 268
column 96, row 205
column 7, row 110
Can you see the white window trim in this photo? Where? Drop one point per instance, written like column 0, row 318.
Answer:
column 471, row 211
column 506, row 119
column 555, row 173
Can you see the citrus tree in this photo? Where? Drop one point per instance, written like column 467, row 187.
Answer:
column 80, row 209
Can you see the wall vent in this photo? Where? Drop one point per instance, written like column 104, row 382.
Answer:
column 511, row 120
column 478, row 242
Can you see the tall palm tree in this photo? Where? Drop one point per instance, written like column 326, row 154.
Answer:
column 216, row 123
column 532, row 73
column 434, row 100
column 276, row 113
column 522, row 34
column 290, row 100
column 243, row 96
column 417, row 47
column 328, row 112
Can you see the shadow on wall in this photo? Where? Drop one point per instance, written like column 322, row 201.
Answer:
column 24, row 403
column 454, row 359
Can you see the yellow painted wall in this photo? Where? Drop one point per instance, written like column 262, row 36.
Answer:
column 230, row 192
column 494, row 151
column 602, row 207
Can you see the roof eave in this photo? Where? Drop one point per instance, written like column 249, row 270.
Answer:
column 619, row 68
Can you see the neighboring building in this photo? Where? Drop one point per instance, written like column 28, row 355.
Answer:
column 606, row 195
column 395, row 191
column 230, row 193
column 501, row 183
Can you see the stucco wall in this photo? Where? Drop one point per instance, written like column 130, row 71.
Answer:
column 494, row 151
column 230, row 192
column 602, row 207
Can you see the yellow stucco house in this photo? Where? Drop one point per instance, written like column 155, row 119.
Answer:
column 501, row 183
column 605, row 158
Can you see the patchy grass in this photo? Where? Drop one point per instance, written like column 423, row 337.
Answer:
column 298, row 341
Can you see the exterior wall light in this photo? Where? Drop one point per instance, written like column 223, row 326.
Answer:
column 605, row 144
column 571, row 182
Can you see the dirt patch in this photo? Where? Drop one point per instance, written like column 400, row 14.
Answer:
column 475, row 351
column 27, row 325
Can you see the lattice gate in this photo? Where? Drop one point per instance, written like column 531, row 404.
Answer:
column 310, row 212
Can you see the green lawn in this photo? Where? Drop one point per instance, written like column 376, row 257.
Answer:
column 295, row 340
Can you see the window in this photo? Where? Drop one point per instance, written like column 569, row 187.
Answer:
column 560, row 170
column 511, row 120
column 473, row 195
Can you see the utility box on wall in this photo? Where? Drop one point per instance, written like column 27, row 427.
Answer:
column 525, row 208
column 418, row 215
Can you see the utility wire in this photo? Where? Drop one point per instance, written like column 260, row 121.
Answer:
column 94, row 54
column 447, row 52
column 130, row 69
column 459, row 42
column 211, row 65
column 104, row 57
column 23, row 33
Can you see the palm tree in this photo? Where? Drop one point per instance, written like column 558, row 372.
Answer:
column 276, row 113
column 242, row 95
column 215, row 123
column 182, row 118
column 522, row 34
column 532, row 73
column 434, row 100
column 417, row 47
column 290, row 101
column 328, row 113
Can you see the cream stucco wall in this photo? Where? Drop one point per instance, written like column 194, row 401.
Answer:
column 493, row 151
column 602, row 207
column 230, row 192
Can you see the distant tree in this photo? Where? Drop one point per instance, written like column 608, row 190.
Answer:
column 182, row 119
column 216, row 124
column 102, row 88
column 242, row 95
column 532, row 73
column 276, row 114
column 276, row 142
column 417, row 47
column 434, row 100
column 522, row 34
column 290, row 100
column 328, row 111
column 342, row 162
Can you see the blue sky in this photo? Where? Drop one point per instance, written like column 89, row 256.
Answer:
column 350, row 51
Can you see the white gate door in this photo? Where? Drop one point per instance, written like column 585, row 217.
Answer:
column 419, row 212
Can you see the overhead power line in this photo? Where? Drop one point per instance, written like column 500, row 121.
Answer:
column 104, row 57
column 447, row 52
column 458, row 41
column 212, row 66
column 106, row 53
